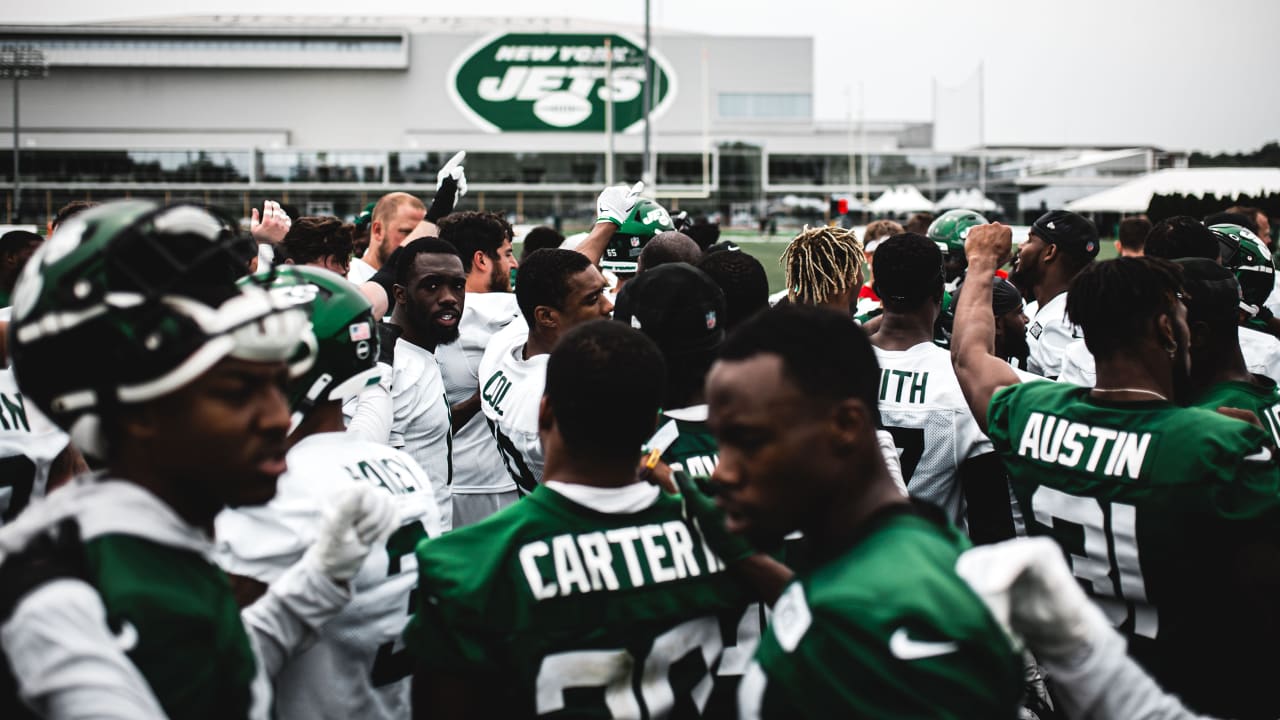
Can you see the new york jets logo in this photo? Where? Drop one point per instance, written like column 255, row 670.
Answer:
column 550, row 82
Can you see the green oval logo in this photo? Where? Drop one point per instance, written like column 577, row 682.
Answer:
column 545, row 82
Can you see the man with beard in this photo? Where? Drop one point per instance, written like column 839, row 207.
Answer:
column 793, row 403
column 394, row 218
column 1059, row 246
column 1165, row 512
column 430, row 293
column 481, row 485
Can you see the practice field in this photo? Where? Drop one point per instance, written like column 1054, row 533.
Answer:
column 768, row 249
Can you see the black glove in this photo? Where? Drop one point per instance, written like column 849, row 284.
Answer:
column 386, row 277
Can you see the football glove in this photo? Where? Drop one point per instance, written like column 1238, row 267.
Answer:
column 701, row 511
column 1029, row 588
column 357, row 520
column 451, row 185
column 616, row 201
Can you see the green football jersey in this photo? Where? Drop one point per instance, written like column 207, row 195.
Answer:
column 886, row 630
column 695, row 449
column 579, row 613
column 190, row 644
column 1260, row 396
column 1163, row 513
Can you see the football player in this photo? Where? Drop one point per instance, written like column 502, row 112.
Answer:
column 593, row 596
column 354, row 668
column 881, row 626
column 481, row 485
column 1161, row 509
column 558, row 290
column 430, row 294
column 185, row 408
column 942, row 449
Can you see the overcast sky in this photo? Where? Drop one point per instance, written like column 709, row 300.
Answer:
column 1183, row 74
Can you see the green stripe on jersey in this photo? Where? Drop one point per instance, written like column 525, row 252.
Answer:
column 191, row 646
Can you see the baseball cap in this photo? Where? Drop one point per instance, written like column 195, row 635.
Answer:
column 1067, row 230
column 1210, row 286
column 678, row 306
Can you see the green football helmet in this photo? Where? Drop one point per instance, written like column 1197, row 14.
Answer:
column 1246, row 254
column 948, row 232
column 344, row 357
column 646, row 219
column 141, row 299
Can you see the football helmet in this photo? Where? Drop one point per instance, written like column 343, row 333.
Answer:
column 344, row 359
column 951, row 228
column 646, row 219
column 1247, row 256
column 130, row 301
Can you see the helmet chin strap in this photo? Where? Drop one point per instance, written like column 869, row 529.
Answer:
column 309, row 400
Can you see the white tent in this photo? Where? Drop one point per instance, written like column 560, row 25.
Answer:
column 971, row 199
column 901, row 199
column 1135, row 195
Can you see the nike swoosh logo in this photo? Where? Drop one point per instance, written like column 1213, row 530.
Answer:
column 127, row 638
column 904, row 648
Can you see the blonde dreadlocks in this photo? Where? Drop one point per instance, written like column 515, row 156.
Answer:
column 821, row 262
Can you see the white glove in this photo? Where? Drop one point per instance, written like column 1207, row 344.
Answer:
column 615, row 203
column 1029, row 588
column 454, row 169
column 357, row 520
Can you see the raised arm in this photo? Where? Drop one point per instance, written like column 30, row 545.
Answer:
column 612, row 207
column 979, row 371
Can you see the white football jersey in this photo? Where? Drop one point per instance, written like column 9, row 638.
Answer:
column 477, row 463
column 29, row 443
column 359, row 271
column 922, row 406
column 510, row 393
column 357, row 666
column 420, row 421
column 1261, row 352
column 1077, row 365
column 1048, row 335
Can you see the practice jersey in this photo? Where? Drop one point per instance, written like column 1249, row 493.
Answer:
column 356, row 668
column 886, row 630
column 1158, row 509
column 1048, row 335
column 1078, row 367
column 694, row 450
column 922, row 406
column 1259, row 397
column 359, row 272
column 1261, row 352
column 477, row 462
column 579, row 611
column 29, row 443
column 420, row 421
column 510, row 393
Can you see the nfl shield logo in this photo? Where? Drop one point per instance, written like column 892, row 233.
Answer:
column 711, row 320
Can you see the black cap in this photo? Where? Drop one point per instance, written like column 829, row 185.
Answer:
column 1005, row 298
column 1210, row 287
column 678, row 306
column 1067, row 230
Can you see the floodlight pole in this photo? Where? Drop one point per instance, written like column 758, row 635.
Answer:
column 17, row 62
column 646, row 164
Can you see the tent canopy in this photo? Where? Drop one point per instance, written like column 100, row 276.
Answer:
column 901, row 199
column 1135, row 195
column 970, row 199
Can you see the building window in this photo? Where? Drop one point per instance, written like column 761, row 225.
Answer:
column 766, row 106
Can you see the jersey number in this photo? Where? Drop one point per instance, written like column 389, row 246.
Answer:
column 514, row 461
column 1108, row 563
column 632, row 688
column 393, row 663
column 910, row 444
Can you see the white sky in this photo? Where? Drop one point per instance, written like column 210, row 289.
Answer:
column 1184, row 74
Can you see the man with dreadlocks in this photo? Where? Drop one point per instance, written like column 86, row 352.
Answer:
column 824, row 267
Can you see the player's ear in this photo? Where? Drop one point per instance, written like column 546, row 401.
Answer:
column 480, row 260
column 545, row 316
column 849, row 420
column 401, row 293
column 546, row 419
column 1050, row 253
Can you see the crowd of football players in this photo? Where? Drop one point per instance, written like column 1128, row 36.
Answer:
column 309, row 468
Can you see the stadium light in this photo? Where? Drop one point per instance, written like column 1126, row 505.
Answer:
column 20, row 62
